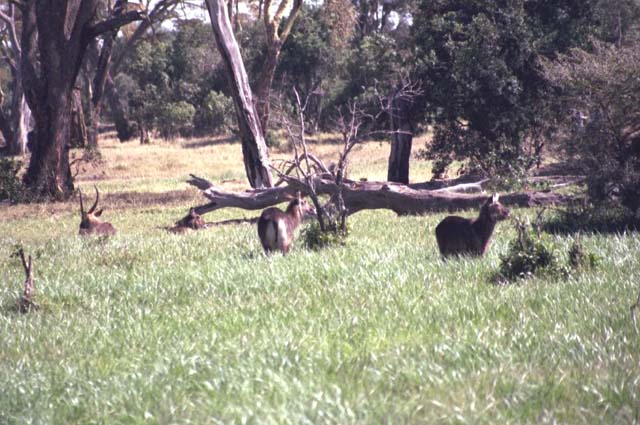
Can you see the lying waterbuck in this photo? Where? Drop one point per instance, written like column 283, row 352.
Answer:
column 90, row 224
column 276, row 228
column 192, row 221
column 459, row 236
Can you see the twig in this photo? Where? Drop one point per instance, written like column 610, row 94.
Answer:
column 25, row 302
column 634, row 312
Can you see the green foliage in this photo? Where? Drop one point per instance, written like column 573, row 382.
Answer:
column 173, row 83
column 580, row 258
column 528, row 255
column 313, row 59
column 315, row 238
column 175, row 119
column 272, row 140
column 215, row 115
column 11, row 187
column 479, row 65
column 598, row 128
column 590, row 218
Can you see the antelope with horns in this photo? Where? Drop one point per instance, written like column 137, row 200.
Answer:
column 90, row 224
column 276, row 228
column 460, row 236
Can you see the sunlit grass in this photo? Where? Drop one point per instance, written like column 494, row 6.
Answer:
column 151, row 327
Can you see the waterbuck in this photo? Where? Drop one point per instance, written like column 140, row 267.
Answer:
column 276, row 228
column 192, row 221
column 460, row 236
column 90, row 224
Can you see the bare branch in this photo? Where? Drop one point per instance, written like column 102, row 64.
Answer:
column 115, row 22
column 360, row 196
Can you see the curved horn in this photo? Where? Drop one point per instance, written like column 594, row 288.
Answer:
column 81, row 206
column 95, row 204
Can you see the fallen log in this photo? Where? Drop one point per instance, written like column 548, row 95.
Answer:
column 358, row 196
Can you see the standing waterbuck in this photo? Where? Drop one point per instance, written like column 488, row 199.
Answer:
column 460, row 236
column 90, row 224
column 276, row 228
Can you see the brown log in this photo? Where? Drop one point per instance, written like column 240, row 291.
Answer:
column 358, row 196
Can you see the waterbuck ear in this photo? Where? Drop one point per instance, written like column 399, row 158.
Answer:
column 494, row 198
column 98, row 213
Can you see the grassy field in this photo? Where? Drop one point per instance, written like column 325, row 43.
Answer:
column 151, row 327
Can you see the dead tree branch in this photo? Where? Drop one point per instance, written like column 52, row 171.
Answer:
column 358, row 196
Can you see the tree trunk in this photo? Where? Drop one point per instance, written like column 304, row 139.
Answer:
column 144, row 133
column 125, row 128
column 402, row 137
column 78, row 137
column 263, row 88
column 16, row 127
column 57, row 42
column 21, row 118
column 22, row 126
column 49, row 174
column 254, row 148
column 5, row 126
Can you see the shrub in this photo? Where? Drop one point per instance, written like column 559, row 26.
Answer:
column 527, row 255
column 315, row 238
column 175, row 119
column 579, row 258
column 588, row 217
column 11, row 187
column 216, row 115
column 598, row 130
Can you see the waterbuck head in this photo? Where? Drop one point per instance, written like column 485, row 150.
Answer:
column 300, row 207
column 494, row 210
column 90, row 224
column 192, row 221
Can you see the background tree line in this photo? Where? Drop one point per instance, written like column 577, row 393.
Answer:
column 501, row 82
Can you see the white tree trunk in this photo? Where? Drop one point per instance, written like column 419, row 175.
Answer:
column 22, row 127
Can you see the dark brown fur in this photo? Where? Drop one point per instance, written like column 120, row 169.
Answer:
column 193, row 221
column 90, row 224
column 276, row 228
column 463, row 236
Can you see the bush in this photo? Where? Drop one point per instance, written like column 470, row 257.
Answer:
column 579, row 258
column 176, row 119
column 216, row 115
column 315, row 238
column 11, row 187
column 527, row 255
column 598, row 131
column 588, row 217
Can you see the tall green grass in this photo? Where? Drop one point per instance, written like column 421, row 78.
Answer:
column 150, row 327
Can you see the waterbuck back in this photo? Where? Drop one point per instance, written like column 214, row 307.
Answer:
column 90, row 224
column 276, row 228
column 463, row 236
